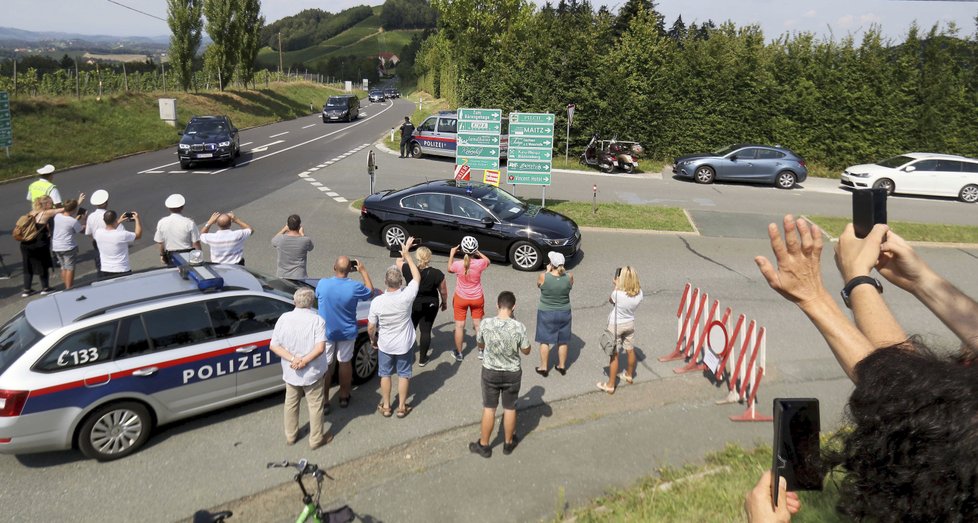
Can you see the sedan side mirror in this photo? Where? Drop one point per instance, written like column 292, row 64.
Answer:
column 488, row 222
column 909, row 169
column 733, row 158
column 234, row 130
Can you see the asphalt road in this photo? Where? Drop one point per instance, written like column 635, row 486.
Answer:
column 214, row 458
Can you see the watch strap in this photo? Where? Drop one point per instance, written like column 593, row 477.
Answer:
column 857, row 281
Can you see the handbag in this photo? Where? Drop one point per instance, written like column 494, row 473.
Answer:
column 609, row 339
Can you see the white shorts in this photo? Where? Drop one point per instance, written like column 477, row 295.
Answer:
column 344, row 350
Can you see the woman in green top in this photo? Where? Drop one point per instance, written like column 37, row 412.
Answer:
column 554, row 314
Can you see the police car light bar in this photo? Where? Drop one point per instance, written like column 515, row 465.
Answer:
column 205, row 278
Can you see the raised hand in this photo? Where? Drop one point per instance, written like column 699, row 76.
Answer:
column 798, row 276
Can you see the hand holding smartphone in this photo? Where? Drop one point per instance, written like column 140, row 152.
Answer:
column 796, row 449
column 354, row 266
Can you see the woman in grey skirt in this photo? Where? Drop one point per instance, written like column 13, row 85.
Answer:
column 554, row 314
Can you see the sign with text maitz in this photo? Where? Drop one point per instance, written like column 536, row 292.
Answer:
column 530, row 154
column 6, row 131
column 478, row 138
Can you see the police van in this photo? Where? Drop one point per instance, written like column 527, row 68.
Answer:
column 99, row 366
column 437, row 136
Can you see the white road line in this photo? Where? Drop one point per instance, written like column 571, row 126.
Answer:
column 246, row 143
column 315, row 184
column 324, row 189
column 178, row 172
column 279, row 134
column 333, row 194
column 307, row 142
column 262, row 148
column 202, row 172
column 313, row 169
column 341, row 199
column 152, row 172
column 303, row 175
column 310, row 125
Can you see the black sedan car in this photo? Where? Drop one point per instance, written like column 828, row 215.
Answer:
column 208, row 139
column 391, row 93
column 443, row 212
column 744, row 163
column 377, row 96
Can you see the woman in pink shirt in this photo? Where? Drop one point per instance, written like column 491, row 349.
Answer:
column 468, row 293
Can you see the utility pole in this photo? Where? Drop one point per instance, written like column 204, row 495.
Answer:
column 280, row 52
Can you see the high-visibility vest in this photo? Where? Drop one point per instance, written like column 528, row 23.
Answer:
column 39, row 188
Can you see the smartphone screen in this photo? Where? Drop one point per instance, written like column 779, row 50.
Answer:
column 868, row 209
column 797, row 452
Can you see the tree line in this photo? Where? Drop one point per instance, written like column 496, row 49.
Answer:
column 697, row 88
column 312, row 26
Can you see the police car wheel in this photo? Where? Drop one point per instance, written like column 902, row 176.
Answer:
column 115, row 431
column 364, row 361
column 416, row 150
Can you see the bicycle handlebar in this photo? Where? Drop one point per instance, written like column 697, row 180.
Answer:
column 303, row 466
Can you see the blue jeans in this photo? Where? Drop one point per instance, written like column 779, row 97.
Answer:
column 387, row 363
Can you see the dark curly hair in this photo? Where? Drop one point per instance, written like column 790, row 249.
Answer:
column 912, row 453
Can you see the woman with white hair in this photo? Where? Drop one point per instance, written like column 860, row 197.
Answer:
column 554, row 313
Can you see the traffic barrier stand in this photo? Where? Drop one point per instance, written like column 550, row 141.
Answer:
column 751, row 380
column 686, row 307
column 694, row 362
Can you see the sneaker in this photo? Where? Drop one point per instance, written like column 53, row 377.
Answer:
column 508, row 447
column 480, row 353
column 458, row 356
column 26, row 293
column 47, row 290
column 422, row 362
column 476, row 448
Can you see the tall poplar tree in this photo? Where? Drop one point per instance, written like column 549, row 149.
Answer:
column 249, row 22
column 184, row 19
column 221, row 56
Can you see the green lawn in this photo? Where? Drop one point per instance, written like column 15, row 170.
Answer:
column 910, row 231
column 713, row 492
column 67, row 132
column 622, row 215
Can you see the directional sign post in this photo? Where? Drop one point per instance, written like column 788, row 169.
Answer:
column 478, row 138
column 530, row 156
column 6, row 131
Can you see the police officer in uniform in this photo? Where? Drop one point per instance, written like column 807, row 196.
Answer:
column 43, row 186
column 407, row 130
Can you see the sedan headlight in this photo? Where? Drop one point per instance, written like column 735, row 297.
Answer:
column 225, row 144
column 858, row 175
column 184, row 146
column 558, row 243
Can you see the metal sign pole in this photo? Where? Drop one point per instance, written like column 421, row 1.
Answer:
column 543, row 199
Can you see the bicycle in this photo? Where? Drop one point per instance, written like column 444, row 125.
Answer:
column 312, row 511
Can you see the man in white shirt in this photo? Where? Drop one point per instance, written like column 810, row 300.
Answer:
column 392, row 332
column 227, row 246
column 63, row 244
column 299, row 339
column 100, row 199
column 176, row 233
column 114, row 241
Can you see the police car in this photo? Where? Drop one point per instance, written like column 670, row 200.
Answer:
column 99, row 366
column 438, row 136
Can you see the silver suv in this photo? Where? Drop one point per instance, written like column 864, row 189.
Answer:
column 98, row 366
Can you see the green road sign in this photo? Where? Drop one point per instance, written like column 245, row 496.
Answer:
column 526, row 166
column 478, row 163
column 530, row 129
column 538, row 118
column 531, row 141
column 522, row 153
column 476, row 151
column 480, row 115
column 528, row 179
column 6, row 133
column 478, row 139
column 465, row 126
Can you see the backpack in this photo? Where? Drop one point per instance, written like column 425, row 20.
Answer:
column 26, row 228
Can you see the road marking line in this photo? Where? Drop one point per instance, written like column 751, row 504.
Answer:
column 310, row 125
column 262, row 148
column 324, row 189
column 315, row 184
column 178, row 172
column 303, row 175
column 246, row 143
column 341, row 199
column 202, row 172
column 152, row 172
column 307, row 142
column 279, row 134
column 313, row 169
column 333, row 194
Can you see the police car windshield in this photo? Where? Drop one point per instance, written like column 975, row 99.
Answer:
column 16, row 336
column 502, row 204
column 336, row 101
column 275, row 285
column 205, row 127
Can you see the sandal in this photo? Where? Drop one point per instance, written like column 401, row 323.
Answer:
column 561, row 370
column 404, row 411
column 628, row 379
column 605, row 387
column 344, row 402
column 386, row 411
column 542, row 372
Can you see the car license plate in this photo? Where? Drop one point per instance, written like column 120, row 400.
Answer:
column 334, row 117
column 205, row 155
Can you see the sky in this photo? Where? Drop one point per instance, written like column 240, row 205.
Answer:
column 823, row 17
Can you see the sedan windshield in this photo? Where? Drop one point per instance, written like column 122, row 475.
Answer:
column 205, row 127
column 502, row 204
column 895, row 162
column 726, row 150
column 335, row 101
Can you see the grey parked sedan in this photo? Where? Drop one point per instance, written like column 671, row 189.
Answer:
column 744, row 163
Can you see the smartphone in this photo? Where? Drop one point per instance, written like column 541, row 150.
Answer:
column 797, row 451
column 128, row 215
column 868, row 209
column 395, row 253
column 354, row 266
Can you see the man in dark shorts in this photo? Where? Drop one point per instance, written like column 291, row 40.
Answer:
column 502, row 338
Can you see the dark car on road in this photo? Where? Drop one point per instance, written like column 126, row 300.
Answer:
column 390, row 93
column 341, row 107
column 208, row 139
column 744, row 163
column 442, row 212
column 376, row 96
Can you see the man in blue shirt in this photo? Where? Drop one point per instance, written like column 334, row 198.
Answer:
column 338, row 297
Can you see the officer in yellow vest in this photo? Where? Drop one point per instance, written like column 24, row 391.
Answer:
column 43, row 186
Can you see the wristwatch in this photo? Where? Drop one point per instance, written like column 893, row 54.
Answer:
column 855, row 282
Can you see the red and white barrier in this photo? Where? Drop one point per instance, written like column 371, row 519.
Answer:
column 697, row 326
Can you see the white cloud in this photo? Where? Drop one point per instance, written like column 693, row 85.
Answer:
column 810, row 13
column 845, row 22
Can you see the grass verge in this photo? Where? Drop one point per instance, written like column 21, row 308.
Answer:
column 622, row 215
column 713, row 492
column 67, row 132
column 910, row 231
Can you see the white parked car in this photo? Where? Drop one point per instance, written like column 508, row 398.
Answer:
column 928, row 174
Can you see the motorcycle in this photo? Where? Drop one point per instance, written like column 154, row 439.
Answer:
column 597, row 154
column 625, row 154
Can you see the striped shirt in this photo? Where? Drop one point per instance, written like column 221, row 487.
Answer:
column 227, row 246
